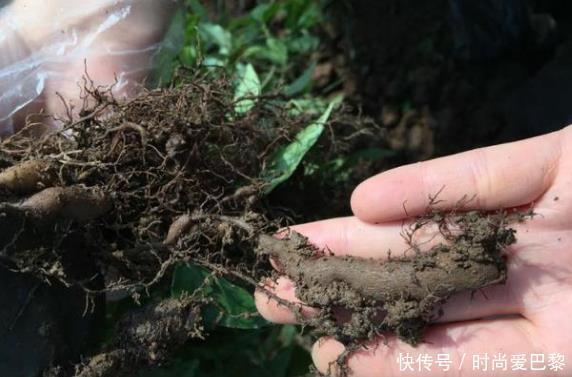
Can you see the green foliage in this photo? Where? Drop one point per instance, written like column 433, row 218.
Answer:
column 247, row 89
column 275, row 37
column 302, row 83
column 269, row 49
column 287, row 159
column 233, row 306
column 170, row 50
column 340, row 168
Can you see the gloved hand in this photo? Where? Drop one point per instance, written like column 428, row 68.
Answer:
column 47, row 47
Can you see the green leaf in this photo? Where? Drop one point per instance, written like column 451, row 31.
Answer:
column 312, row 105
column 302, row 83
column 310, row 17
column 196, row 8
column 216, row 34
column 188, row 56
column 247, row 89
column 277, row 51
column 265, row 12
column 340, row 169
column 303, row 44
column 170, row 49
column 287, row 160
column 302, row 14
column 234, row 306
column 213, row 61
column 274, row 51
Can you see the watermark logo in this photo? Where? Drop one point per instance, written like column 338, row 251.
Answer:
column 484, row 362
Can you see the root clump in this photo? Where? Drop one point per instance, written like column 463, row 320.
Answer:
column 130, row 190
column 112, row 201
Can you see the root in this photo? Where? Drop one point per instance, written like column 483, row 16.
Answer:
column 72, row 203
column 27, row 177
column 398, row 295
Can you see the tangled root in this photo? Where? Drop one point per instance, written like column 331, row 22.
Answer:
column 173, row 176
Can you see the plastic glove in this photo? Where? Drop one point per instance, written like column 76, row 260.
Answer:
column 47, row 47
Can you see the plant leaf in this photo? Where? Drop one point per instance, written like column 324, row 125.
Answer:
column 171, row 47
column 216, row 34
column 287, row 159
column 264, row 12
column 247, row 89
column 234, row 306
column 302, row 83
column 274, row 51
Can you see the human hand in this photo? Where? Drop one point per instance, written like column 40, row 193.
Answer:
column 47, row 47
column 528, row 315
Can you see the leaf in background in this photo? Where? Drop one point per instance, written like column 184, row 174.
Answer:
column 188, row 56
column 302, row 44
column 302, row 14
column 196, row 8
column 277, row 51
column 213, row 61
column 171, row 47
column 234, row 305
column 287, row 160
column 302, row 83
column 274, row 51
column 216, row 34
column 340, row 169
column 265, row 352
column 247, row 89
column 264, row 12
column 312, row 105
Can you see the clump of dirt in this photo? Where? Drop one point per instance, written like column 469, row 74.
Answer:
column 399, row 295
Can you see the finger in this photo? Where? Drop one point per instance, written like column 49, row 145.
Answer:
column 275, row 311
column 501, row 176
column 487, row 302
column 341, row 236
column 352, row 236
column 460, row 342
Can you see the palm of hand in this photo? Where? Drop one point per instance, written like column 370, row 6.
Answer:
column 527, row 317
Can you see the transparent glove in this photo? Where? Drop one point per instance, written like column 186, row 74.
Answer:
column 47, row 47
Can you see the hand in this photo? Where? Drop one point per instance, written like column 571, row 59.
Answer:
column 48, row 46
column 530, row 314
